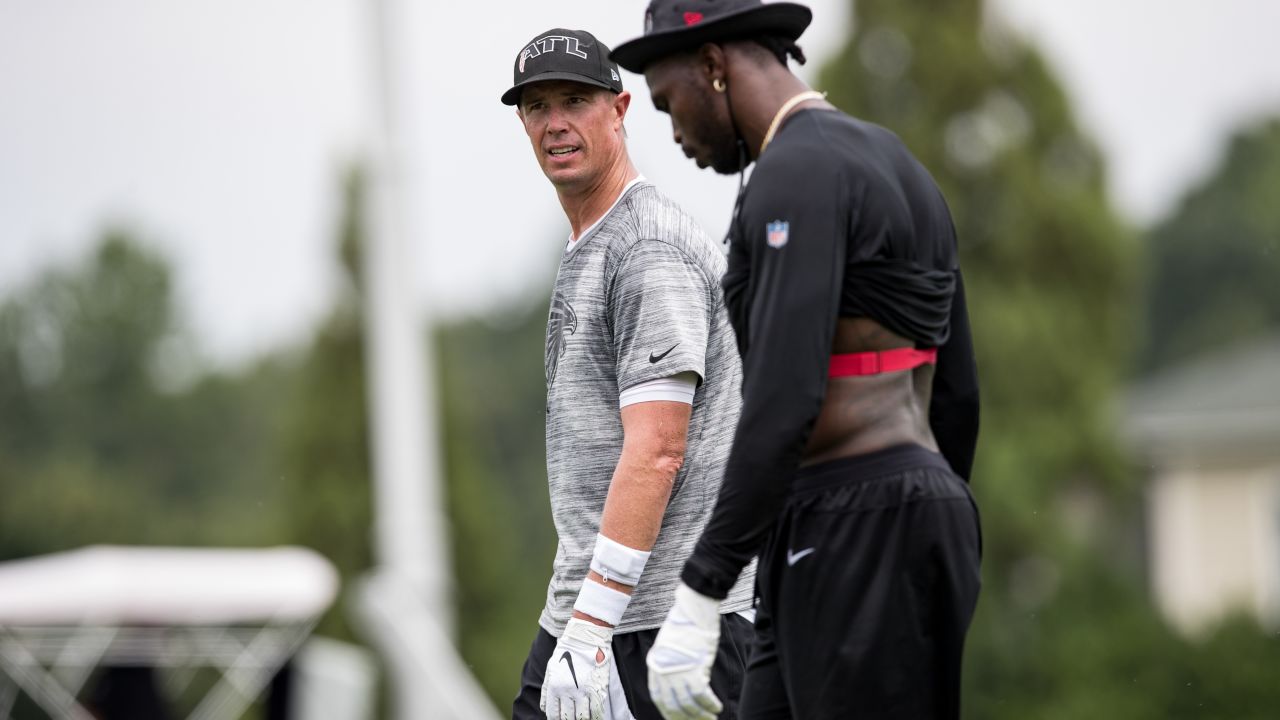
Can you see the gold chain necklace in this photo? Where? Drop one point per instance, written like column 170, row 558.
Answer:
column 786, row 108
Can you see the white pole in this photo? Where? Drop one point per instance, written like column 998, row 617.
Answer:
column 405, row 604
column 410, row 535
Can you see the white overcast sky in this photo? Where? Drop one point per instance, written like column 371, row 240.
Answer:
column 216, row 129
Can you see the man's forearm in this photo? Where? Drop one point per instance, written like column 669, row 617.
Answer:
column 633, row 512
column 652, row 454
column 638, row 497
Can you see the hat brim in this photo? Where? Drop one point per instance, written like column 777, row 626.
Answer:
column 512, row 96
column 787, row 19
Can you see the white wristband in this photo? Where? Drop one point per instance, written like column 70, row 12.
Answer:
column 617, row 562
column 601, row 603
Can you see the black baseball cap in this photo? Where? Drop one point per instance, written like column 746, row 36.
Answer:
column 672, row 26
column 560, row 54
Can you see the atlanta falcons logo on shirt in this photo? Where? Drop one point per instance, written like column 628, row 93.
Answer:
column 562, row 323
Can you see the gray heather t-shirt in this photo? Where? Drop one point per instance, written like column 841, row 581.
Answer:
column 636, row 299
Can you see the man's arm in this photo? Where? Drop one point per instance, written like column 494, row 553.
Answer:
column 953, row 409
column 654, row 440
column 795, row 286
column 659, row 304
column 652, row 453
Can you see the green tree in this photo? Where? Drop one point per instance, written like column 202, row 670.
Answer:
column 1064, row 628
column 97, row 443
column 1214, row 262
column 1048, row 269
column 492, row 405
column 1047, row 263
column 324, row 452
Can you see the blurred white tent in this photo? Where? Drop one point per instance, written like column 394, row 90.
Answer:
column 241, row 612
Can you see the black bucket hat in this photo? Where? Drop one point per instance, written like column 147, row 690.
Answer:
column 671, row 26
column 560, row 54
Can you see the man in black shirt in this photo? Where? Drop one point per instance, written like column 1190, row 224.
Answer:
column 860, row 406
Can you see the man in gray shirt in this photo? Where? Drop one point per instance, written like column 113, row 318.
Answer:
column 643, row 384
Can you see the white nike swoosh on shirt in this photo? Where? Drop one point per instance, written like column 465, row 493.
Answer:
column 794, row 557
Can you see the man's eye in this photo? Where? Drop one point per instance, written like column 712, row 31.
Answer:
column 575, row 100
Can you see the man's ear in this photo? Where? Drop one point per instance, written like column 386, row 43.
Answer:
column 621, row 103
column 711, row 63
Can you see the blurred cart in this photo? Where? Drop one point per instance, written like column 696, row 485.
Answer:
column 240, row 613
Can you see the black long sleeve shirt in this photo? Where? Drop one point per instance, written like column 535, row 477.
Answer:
column 838, row 219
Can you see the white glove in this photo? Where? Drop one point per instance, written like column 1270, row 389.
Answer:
column 681, row 657
column 576, row 683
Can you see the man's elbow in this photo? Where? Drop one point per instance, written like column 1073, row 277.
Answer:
column 663, row 460
column 668, row 463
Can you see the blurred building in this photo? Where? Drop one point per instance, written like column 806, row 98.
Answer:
column 1209, row 432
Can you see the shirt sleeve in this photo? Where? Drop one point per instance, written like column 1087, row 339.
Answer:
column 953, row 409
column 660, row 307
column 795, row 231
column 678, row 388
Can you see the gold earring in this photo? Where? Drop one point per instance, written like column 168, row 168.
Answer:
column 718, row 85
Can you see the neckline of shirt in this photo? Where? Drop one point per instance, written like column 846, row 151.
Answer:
column 797, row 113
column 586, row 234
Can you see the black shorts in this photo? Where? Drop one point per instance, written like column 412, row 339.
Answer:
column 867, row 584
column 629, row 650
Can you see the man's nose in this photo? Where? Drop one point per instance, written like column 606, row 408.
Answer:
column 556, row 122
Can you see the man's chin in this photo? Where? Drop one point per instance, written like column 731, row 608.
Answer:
column 561, row 177
column 720, row 167
column 726, row 167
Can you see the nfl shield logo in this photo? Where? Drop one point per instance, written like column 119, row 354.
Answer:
column 775, row 233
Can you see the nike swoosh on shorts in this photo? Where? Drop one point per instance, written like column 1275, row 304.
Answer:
column 794, row 557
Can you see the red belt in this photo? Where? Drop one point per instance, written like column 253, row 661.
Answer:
column 874, row 363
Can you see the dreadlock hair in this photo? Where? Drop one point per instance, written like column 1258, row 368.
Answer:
column 780, row 47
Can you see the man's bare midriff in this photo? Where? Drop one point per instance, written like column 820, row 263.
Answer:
column 862, row 414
